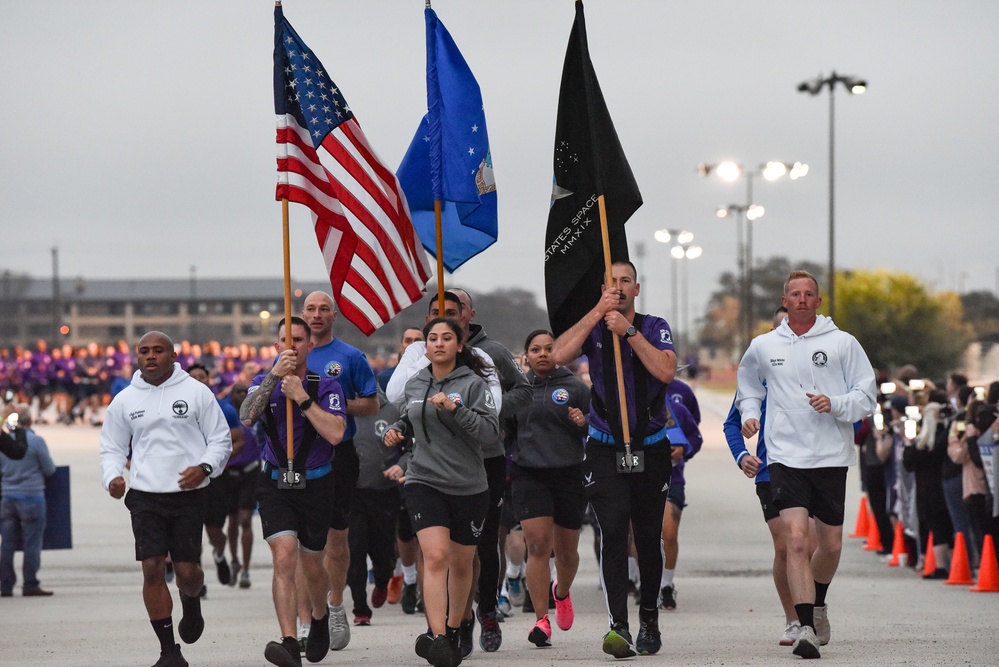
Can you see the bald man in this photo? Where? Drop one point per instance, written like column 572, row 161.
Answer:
column 178, row 439
column 337, row 360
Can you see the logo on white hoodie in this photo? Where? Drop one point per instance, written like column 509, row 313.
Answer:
column 179, row 407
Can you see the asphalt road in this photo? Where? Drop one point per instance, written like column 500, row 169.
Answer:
column 728, row 611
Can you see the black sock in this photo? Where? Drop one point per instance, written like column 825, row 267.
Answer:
column 806, row 614
column 820, row 594
column 453, row 635
column 163, row 628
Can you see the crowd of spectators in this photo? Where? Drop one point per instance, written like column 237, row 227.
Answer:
column 926, row 465
column 73, row 384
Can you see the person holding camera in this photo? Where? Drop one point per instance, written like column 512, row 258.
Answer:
column 296, row 497
column 22, row 508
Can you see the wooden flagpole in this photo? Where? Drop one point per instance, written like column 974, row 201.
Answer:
column 440, row 254
column 609, row 281
column 288, row 337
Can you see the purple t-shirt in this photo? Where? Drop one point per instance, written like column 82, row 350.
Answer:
column 330, row 398
column 656, row 331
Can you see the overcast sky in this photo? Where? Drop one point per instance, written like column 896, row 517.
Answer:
column 139, row 136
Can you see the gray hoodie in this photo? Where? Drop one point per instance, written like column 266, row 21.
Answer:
column 447, row 454
column 546, row 437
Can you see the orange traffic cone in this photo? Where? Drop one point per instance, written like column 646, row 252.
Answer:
column 897, row 545
column 873, row 535
column 988, row 569
column 960, row 570
column 930, row 559
column 860, row 530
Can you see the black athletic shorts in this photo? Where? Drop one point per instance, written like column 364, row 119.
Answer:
column 165, row 523
column 219, row 500
column 763, row 492
column 243, row 492
column 465, row 516
column 346, row 469
column 822, row 491
column 677, row 494
column 303, row 513
column 508, row 515
column 403, row 526
column 549, row 492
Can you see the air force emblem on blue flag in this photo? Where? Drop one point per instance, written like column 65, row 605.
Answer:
column 449, row 159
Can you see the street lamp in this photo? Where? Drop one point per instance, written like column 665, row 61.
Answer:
column 855, row 86
column 732, row 171
column 680, row 248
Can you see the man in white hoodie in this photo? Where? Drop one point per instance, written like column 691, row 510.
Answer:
column 817, row 381
column 178, row 438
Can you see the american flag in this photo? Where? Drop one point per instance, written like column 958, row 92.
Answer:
column 376, row 262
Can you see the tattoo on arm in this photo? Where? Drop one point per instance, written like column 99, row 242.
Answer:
column 256, row 403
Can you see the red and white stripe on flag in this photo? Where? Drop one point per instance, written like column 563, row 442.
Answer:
column 374, row 257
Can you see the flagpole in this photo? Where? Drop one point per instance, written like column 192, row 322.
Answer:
column 440, row 253
column 287, row 327
column 609, row 281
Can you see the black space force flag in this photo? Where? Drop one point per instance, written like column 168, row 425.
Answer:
column 589, row 162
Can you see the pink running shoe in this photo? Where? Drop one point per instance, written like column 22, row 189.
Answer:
column 564, row 615
column 541, row 633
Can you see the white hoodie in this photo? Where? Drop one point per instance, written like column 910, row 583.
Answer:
column 824, row 360
column 170, row 428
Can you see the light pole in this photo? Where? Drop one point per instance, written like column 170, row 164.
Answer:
column 681, row 252
column 854, row 86
column 731, row 171
column 680, row 245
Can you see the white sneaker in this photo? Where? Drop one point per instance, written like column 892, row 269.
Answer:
column 515, row 585
column 339, row 628
column 791, row 633
column 822, row 629
column 807, row 644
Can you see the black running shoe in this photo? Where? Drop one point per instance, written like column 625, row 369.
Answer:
column 192, row 624
column 649, row 639
column 409, row 599
column 668, row 598
column 283, row 653
column 222, row 567
column 171, row 658
column 443, row 653
column 466, row 636
column 423, row 643
column 318, row 643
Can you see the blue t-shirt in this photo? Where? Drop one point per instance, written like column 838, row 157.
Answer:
column 349, row 367
column 330, row 398
column 656, row 331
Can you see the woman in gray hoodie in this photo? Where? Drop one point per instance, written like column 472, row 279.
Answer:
column 547, row 487
column 449, row 411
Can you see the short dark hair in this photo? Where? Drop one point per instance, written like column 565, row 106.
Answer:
column 296, row 321
column 448, row 296
column 780, row 309
column 959, row 379
column 626, row 262
column 194, row 367
column 534, row 334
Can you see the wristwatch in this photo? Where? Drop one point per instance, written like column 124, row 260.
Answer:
column 632, row 331
column 207, row 469
column 306, row 404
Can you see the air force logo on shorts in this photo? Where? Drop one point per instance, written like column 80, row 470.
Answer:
column 333, row 369
column 664, row 336
column 820, row 358
column 335, row 402
column 560, row 396
column 455, row 398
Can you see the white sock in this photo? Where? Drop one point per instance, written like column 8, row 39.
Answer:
column 667, row 578
column 409, row 573
column 633, row 569
column 551, row 568
column 512, row 570
column 398, row 568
